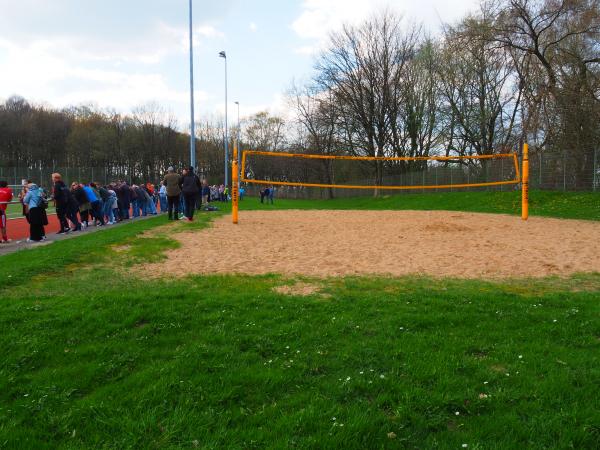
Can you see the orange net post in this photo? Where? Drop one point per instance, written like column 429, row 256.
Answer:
column 235, row 185
column 525, row 184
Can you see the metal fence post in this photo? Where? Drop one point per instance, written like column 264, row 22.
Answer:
column 564, row 171
column 595, row 177
column 502, row 174
column 540, row 171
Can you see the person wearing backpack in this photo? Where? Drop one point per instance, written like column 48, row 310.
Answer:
column 34, row 206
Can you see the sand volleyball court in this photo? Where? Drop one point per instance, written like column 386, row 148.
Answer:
column 433, row 243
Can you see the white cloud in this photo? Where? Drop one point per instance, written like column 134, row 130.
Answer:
column 180, row 35
column 44, row 71
column 320, row 17
column 253, row 27
column 208, row 31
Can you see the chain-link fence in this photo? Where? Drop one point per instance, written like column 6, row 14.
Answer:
column 562, row 171
column 548, row 171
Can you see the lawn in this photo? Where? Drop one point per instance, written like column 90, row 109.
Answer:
column 97, row 355
column 15, row 211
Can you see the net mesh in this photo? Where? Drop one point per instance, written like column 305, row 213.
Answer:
column 347, row 172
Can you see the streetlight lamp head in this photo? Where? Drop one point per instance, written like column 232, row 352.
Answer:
column 223, row 54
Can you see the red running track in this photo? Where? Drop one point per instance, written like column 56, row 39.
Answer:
column 18, row 229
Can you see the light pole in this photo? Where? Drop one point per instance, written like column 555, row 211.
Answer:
column 193, row 124
column 239, row 129
column 239, row 132
column 224, row 56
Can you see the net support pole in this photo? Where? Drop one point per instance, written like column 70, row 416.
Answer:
column 525, row 184
column 234, row 184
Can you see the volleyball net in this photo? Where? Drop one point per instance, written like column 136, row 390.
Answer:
column 302, row 170
column 395, row 173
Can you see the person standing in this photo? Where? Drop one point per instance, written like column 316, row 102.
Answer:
column 34, row 205
column 271, row 194
column 6, row 196
column 82, row 201
column 190, row 187
column 172, row 184
column 124, row 194
column 162, row 194
column 205, row 194
column 95, row 203
column 61, row 195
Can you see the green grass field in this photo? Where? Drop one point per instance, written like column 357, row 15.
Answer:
column 95, row 355
column 15, row 211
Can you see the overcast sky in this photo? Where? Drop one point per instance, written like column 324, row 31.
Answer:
column 125, row 53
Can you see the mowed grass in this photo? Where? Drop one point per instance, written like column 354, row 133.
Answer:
column 15, row 211
column 98, row 354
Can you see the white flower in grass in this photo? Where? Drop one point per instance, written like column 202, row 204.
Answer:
column 287, row 346
column 520, row 356
column 465, row 445
column 485, row 382
column 341, row 424
column 457, row 413
column 348, row 379
column 333, row 418
column 361, row 372
column 555, row 321
column 382, row 376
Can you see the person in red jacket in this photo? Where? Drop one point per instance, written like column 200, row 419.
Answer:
column 6, row 196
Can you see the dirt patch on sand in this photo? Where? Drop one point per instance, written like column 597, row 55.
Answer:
column 433, row 243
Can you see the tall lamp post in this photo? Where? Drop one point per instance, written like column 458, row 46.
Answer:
column 239, row 132
column 224, row 56
column 193, row 124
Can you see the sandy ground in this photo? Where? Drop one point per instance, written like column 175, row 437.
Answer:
column 434, row 243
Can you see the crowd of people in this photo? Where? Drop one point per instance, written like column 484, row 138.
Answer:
column 81, row 205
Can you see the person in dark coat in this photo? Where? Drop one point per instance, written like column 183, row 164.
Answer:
column 172, row 183
column 124, row 196
column 66, row 206
column 190, row 187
